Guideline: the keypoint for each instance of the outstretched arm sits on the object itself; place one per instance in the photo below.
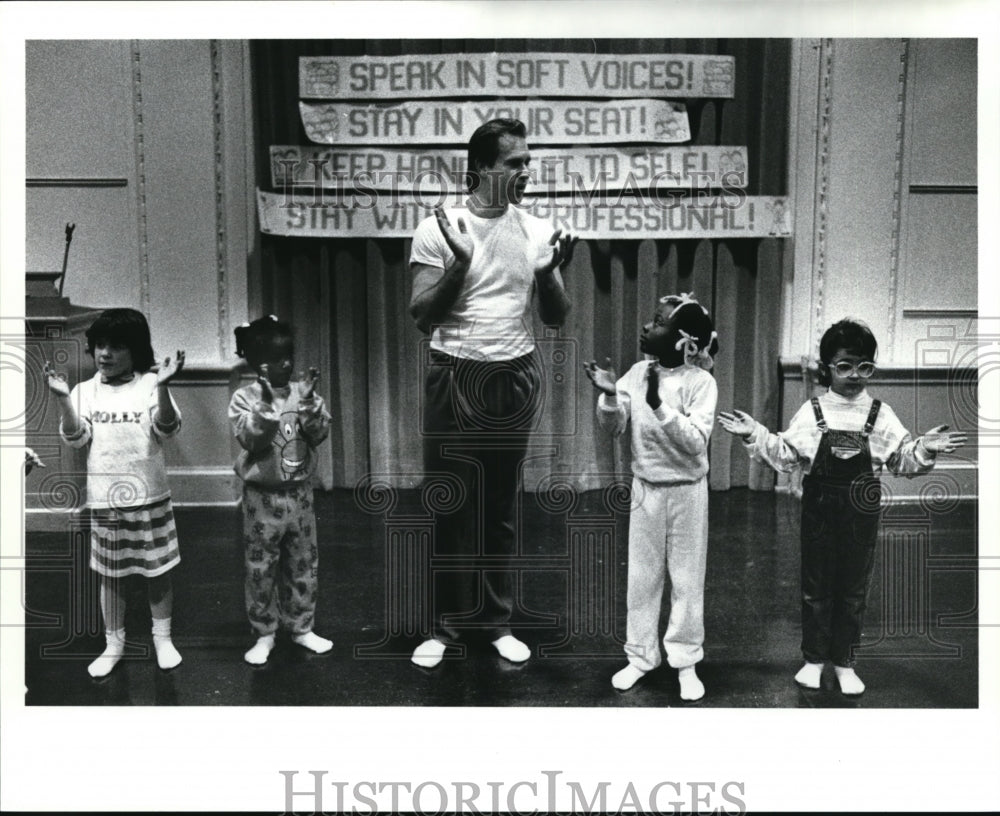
(612, 406)
(435, 290)
(783, 452)
(916, 456)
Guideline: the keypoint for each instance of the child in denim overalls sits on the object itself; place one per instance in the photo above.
(841, 440)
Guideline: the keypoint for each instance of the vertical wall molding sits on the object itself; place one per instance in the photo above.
(897, 193)
(218, 140)
(824, 122)
(140, 180)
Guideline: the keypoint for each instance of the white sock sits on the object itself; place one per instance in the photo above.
(512, 649)
(691, 687)
(313, 642)
(809, 675)
(115, 640)
(428, 654)
(258, 654)
(627, 677)
(850, 683)
(167, 657)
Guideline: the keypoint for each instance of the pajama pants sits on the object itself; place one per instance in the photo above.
(279, 533)
(668, 531)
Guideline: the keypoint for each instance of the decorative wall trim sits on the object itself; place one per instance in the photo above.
(204, 486)
(824, 119)
(791, 369)
(897, 191)
(76, 182)
(140, 177)
(211, 374)
(943, 189)
(965, 313)
(218, 140)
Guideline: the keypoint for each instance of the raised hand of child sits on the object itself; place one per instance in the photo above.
(604, 379)
(937, 441)
(653, 386)
(266, 407)
(56, 382)
(170, 368)
(737, 423)
(308, 383)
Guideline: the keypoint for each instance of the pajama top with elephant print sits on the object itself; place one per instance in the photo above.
(277, 453)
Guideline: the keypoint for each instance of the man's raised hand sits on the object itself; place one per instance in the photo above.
(559, 252)
(459, 242)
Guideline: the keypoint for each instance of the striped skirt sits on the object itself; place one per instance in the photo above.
(142, 541)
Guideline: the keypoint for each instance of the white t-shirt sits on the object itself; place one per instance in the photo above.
(490, 319)
(125, 465)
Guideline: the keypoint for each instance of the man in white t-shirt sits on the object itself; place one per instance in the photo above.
(476, 270)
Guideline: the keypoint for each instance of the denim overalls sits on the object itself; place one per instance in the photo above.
(841, 506)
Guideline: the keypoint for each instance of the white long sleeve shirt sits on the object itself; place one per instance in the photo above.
(890, 443)
(670, 445)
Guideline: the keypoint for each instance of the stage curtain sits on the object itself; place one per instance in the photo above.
(347, 298)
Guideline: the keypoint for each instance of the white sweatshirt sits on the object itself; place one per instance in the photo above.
(670, 445)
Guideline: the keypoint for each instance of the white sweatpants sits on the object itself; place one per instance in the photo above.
(668, 530)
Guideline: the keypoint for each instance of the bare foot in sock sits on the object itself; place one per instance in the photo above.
(691, 687)
(512, 649)
(167, 657)
(850, 683)
(809, 675)
(313, 642)
(110, 656)
(428, 654)
(258, 654)
(627, 677)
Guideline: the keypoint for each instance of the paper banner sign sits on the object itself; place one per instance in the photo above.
(432, 171)
(373, 216)
(547, 122)
(468, 75)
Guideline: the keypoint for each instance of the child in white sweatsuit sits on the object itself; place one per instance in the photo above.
(669, 402)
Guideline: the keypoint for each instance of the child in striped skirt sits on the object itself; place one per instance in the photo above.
(122, 415)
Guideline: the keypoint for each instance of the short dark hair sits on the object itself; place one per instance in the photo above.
(127, 328)
(484, 146)
(252, 337)
(850, 335)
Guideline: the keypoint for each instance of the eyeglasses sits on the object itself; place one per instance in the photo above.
(863, 369)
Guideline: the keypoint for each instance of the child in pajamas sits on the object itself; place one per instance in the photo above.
(279, 423)
(841, 440)
(670, 404)
(122, 415)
